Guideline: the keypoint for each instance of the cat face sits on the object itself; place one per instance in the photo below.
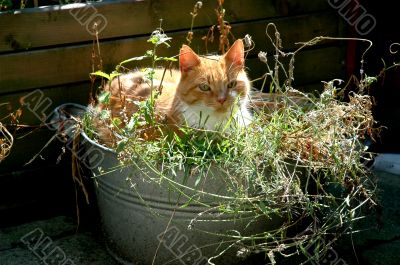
(214, 84)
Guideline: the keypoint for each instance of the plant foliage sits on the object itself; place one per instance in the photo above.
(302, 161)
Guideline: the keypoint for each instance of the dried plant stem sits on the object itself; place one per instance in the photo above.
(6, 142)
(194, 13)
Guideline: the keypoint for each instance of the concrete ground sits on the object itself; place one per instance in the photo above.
(61, 244)
(20, 245)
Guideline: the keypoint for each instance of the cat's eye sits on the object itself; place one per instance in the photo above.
(231, 84)
(204, 87)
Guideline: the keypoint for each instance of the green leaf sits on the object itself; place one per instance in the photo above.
(158, 38)
(149, 53)
(164, 41)
(197, 180)
(148, 117)
(139, 58)
(104, 97)
(114, 74)
(263, 208)
(149, 73)
(153, 39)
(102, 74)
(104, 114)
(370, 79)
(347, 200)
(177, 139)
(116, 121)
(170, 59)
(131, 124)
(121, 145)
(186, 203)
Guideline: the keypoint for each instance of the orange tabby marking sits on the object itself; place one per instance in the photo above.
(205, 93)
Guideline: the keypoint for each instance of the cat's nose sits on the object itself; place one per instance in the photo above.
(221, 100)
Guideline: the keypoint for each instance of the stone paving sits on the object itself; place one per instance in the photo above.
(372, 247)
(17, 244)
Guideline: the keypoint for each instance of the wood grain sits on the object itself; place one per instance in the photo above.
(57, 66)
(60, 25)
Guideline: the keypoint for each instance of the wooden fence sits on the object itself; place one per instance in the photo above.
(48, 51)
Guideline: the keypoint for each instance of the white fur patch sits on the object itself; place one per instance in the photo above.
(200, 116)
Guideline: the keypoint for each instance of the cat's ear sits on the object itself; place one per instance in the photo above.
(187, 59)
(235, 55)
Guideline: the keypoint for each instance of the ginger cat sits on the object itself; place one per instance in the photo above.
(205, 92)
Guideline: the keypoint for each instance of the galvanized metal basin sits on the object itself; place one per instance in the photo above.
(145, 221)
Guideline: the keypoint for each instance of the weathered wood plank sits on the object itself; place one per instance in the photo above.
(292, 30)
(55, 25)
(42, 102)
(26, 146)
(51, 67)
(61, 65)
(319, 65)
